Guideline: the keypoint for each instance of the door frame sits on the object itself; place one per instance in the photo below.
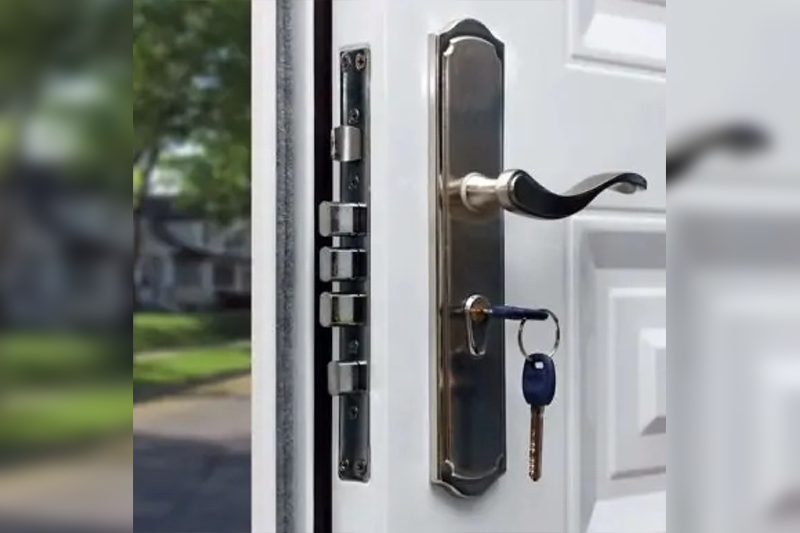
(291, 115)
(264, 436)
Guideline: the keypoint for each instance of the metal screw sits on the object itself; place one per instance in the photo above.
(352, 346)
(353, 412)
(361, 61)
(346, 61)
(353, 116)
(361, 467)
(344, 465)
(353, 185)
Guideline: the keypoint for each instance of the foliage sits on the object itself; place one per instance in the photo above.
(40, 38)
(65, 69)
(191, 87)
(65, 74)
(138, 185)
(217, 179)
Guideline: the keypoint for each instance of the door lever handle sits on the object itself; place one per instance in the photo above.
(737, 138)
(518, 192)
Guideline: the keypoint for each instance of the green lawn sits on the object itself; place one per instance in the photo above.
(60, 389)
(31, 422)
(39, 359)
(163, 331)
(191, 365)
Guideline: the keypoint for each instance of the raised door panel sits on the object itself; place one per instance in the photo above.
(617, 409)
(738, 296)
(627, 33)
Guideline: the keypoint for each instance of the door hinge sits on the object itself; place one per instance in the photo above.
(345, 265)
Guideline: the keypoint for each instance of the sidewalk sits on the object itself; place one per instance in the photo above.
(92, 492)
(192, 461)
(186, 469)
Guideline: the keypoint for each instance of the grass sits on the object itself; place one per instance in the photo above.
(84, 396)
(49, 359)
(191, 366)
(30, 422)
(163, 331)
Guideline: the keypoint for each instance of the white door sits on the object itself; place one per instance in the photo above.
(734, 267)
(585, 92)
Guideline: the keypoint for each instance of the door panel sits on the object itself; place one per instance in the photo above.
(739, 292)
(735, 263)
(627, 33)
(577, 103)
(617, 401)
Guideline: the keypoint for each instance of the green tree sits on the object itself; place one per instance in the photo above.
(191, 87)
(47, 51)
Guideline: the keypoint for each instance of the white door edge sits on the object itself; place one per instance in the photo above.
(283, 266)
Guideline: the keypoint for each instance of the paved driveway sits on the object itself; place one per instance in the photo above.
(192, 464)
(191, 474)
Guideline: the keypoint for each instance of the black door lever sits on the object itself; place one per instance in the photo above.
(518, 192)
(736, 138)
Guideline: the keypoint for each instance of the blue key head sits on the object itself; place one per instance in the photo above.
(539, 380)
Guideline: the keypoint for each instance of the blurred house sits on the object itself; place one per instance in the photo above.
(188, 262)
(62, 250)
(66, 254)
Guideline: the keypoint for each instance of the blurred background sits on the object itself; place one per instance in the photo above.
(83, 445)
(734, 267)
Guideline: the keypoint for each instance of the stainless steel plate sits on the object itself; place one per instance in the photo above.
(467, 77)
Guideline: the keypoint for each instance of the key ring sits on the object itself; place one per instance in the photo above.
(556, 344)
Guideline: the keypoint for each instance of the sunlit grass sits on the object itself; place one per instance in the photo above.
(64, 389)
(192, 365)
(163, 331)
(33, 421)
(36, 359)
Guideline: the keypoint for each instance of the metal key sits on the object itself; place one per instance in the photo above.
(539, 390)
(477, 309)
(510, 312)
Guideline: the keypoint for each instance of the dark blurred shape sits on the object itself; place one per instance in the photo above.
(180, 246)
(737, 138)
(66, 251)
(787, 508)
(228, 300)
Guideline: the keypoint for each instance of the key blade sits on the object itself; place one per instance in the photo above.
(535, 450)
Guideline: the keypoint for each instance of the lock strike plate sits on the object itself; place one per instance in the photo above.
(345, 265)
